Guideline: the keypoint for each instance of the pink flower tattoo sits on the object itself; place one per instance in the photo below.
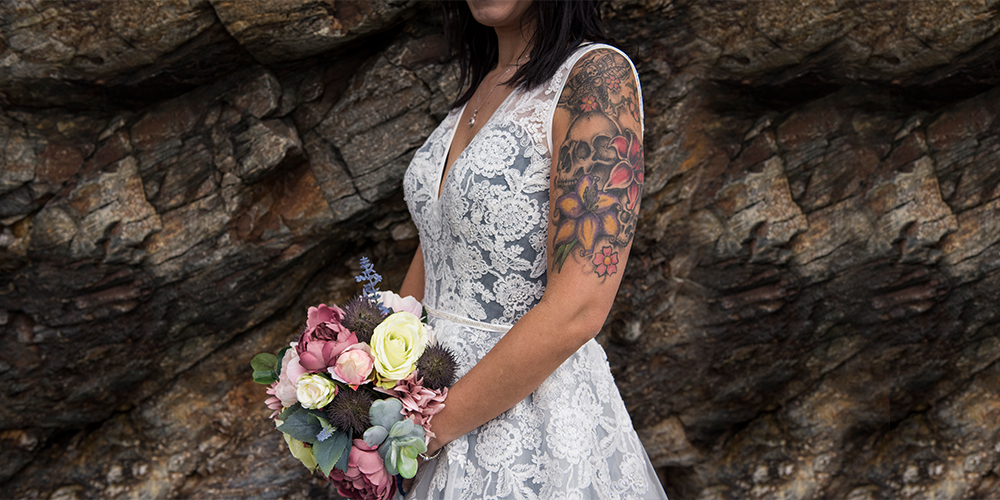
(629, 173)
(588, 103)
(613, 82)
(606, 262)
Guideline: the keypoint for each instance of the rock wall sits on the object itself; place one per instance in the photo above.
(808, 313)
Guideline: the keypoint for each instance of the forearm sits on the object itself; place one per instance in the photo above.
(538, 343)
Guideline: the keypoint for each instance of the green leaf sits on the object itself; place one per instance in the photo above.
(385, 412)
(329, 451)
(281, 355)
(562, 253)
(408, 463)
(265, 377)
(391, 458)
(375, 435)
(263, 362)
(290, 410)
(342, 462)
(301, 426)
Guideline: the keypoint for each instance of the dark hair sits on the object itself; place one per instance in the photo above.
(560, 26)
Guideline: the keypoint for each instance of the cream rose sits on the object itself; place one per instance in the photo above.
(397, 344)
(315, 391)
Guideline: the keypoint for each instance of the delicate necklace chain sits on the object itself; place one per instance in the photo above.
(472, 121)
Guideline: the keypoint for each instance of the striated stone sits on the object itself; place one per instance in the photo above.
(263, 147)
(259, 94)
(115, 211)
(808, 309)
(69, 48)
(909, 213)
(53, 227)
(331, 175)
(284, 30)
(667, 445)
(378, 94)
(761, 213)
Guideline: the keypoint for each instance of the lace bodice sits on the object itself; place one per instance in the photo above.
(484, 239)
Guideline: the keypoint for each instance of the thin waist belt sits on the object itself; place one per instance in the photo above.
(466, 321)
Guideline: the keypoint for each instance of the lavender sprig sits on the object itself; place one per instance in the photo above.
(369, 291)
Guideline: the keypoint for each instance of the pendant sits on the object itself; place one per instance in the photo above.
(472, 121)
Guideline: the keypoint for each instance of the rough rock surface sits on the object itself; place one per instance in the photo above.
(809, 312)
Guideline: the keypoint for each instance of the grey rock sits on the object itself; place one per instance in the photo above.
(808, 310)
(284, 30)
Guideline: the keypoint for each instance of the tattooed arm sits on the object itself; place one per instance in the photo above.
(594, 198)
(597, 171)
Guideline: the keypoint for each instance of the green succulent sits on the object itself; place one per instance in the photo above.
(399, 440)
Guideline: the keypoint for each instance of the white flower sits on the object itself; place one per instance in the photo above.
(315, 391)
(399, 304)
(397, 344)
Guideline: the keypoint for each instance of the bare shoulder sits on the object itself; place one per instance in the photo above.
(598, 165)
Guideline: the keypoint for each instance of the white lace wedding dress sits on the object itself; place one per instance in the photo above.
(484, 249)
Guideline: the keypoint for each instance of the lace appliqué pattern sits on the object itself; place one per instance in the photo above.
(484, 248)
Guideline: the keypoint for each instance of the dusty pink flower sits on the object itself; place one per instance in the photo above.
(420, 404)
(397, 303)
(366, 477)
(283, 391)
(354, 365)
(323, 314)
(324, 338)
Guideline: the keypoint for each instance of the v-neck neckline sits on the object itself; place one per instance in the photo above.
(444, 170)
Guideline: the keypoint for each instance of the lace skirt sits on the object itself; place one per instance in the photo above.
(570, 439)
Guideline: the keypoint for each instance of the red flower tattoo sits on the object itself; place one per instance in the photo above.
(588, 103)
(629, 173)
(606, 262)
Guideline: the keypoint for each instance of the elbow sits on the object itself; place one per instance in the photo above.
(579, 324)
(590, 325)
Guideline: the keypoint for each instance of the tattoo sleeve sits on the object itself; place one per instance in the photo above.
(599, 171)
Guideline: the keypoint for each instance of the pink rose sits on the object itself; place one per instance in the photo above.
(398, 304)
(366, 477)
(324, 338)
(354, 365)
(283, 391)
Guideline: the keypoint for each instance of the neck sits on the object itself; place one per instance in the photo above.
(513, 43)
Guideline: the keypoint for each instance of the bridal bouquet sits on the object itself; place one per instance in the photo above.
(355, 394)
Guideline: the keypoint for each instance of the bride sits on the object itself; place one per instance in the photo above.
(526, 198)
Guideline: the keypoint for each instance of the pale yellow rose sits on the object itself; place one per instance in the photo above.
(397, 344)
(315, 391)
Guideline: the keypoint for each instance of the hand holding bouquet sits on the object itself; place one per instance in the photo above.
(354, 396)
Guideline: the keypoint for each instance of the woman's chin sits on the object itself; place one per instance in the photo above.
(498, 13)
